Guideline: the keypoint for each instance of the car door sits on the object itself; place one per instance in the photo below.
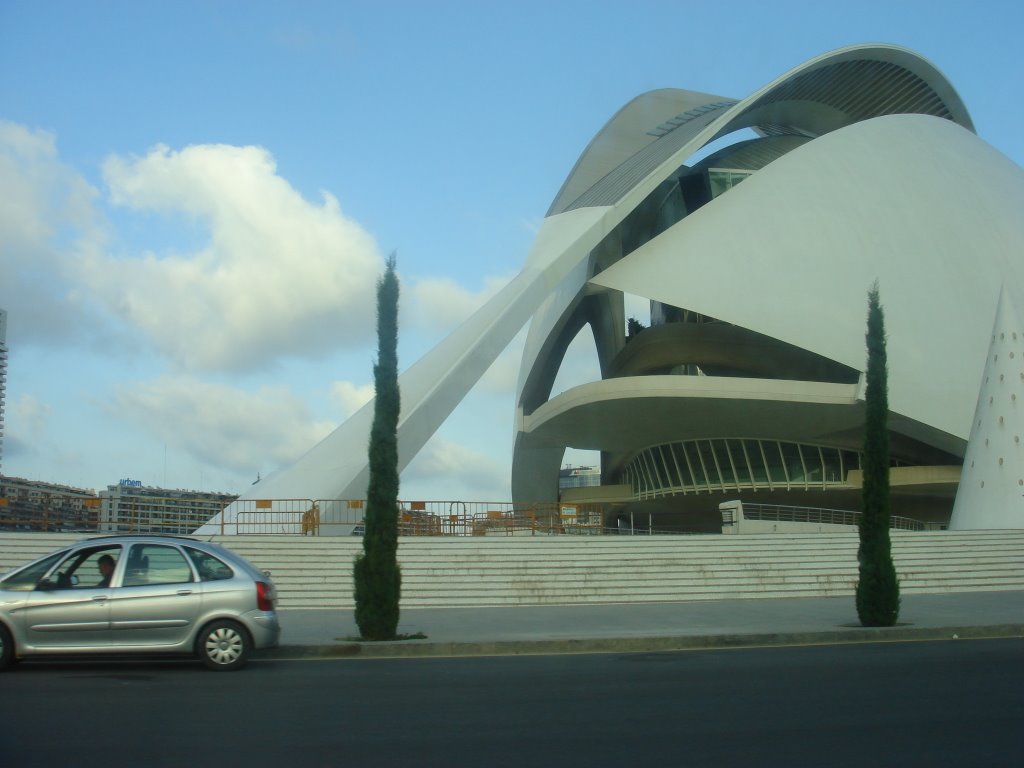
(70, 610)
(158, 600)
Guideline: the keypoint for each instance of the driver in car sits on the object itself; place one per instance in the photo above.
(106, 566)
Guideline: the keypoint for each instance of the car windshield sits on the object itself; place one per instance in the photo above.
(26, 579)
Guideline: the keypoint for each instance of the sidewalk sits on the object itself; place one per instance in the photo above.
(650, 626)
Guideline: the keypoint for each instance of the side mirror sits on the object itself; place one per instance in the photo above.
(45, 585)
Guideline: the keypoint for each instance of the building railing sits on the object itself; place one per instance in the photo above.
(790, 514)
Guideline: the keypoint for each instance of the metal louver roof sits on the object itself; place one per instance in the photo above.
(828, 96)
(861, 89)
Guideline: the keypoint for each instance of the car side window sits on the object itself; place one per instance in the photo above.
(86, 568)
(155, 564)
(90, 568)
(210, 568)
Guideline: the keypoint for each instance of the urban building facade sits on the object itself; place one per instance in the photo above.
(33, 505)
(578, 477)
(127, 507)
(130, 507)
(3, 379)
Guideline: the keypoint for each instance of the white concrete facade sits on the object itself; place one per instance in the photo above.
(864, 167)
(991, 493)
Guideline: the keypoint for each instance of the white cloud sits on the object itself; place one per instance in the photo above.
(30, 414)
(441, 304)
(349, 397)
(446, 470)
(222, 427)
(274, 276)
(47, 219)
(279, 276)
(27, 421)
(265, 275)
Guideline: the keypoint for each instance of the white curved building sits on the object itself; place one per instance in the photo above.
(857, 166)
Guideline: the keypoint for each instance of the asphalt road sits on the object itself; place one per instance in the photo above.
(952, 703)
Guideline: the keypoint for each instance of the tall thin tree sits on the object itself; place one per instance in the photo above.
(378, 579)
(878, 590)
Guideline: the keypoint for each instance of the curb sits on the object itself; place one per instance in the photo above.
(427, 649)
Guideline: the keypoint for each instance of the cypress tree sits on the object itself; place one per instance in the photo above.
(378, 580)
(878, 590)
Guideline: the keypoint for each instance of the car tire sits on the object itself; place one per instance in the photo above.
(224, 646)
(6, 648)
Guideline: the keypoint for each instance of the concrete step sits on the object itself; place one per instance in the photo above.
(479, 571)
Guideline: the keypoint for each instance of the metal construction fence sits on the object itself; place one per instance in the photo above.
(312, 517)
(345, 517)
(416, 518)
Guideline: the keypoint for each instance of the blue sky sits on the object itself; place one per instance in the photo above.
(196, 199)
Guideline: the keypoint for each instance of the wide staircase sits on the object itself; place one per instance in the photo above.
(316, 572)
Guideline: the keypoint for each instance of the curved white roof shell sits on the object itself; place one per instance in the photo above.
(917, 203)
(869, 169)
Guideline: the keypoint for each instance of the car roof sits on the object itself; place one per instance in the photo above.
(146, 536)
(166, 538)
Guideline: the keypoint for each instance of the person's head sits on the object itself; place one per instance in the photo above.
(106, 565)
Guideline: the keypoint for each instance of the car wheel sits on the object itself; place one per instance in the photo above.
(224, 646)
(6, 647)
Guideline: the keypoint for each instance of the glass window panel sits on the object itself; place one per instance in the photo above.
(156, 564)
(719, 182)
(655, 466)
(630, 477)
(652, 472)
(699, 478)
(707, 454)
(664, 471)
(833, 473)
(724, 464)
(794, 465)
(739, 461)
(693, 470)
(638, 475)
(851, 461)
(645, 461)
(722, 180)
(210, 568)
(685, 478)
(83, 569)
(758, 471)
(773, 455)
(812, 462)
(707, 462)
(671, 476)
(26, 579)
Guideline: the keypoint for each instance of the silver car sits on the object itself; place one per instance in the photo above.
(138, 595)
